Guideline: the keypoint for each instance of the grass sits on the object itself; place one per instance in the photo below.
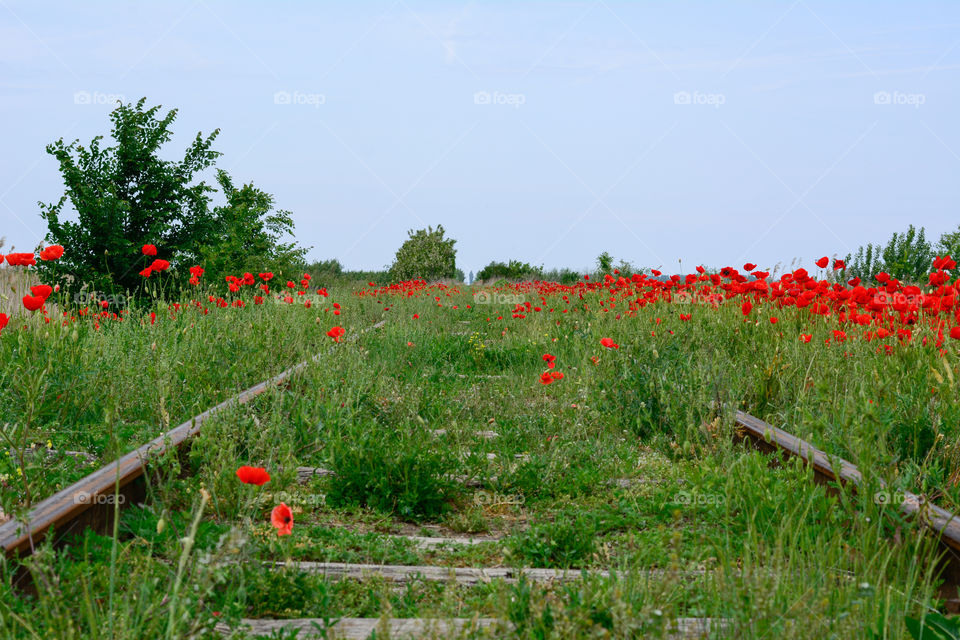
(729, 537)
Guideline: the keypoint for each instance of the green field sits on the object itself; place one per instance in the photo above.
(626, 464)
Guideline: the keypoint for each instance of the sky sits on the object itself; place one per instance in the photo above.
(668, 134)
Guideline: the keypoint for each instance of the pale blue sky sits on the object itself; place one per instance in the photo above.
(543, 131)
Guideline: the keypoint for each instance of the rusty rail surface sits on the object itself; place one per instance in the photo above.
(88, 502)
(834, 470)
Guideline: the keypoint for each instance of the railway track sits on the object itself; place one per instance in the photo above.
(835, 471)
(84, 504)
(77, 507)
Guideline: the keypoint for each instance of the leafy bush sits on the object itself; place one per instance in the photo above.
(425, 254)
(949, 244)
(564, 543)
(604, 262)
(330, 272)
(907, 257)
(249, 234)
(563, 276)
(325, 270)
(391, 474)
(127, 195)
(513, 270)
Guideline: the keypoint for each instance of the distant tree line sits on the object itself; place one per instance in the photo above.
(907, 256)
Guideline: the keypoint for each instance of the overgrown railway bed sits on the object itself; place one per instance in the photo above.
(89, 504)
(452, 475)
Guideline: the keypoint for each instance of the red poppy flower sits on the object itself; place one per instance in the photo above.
(146, 272)
(609, 343)
(149, 250)
(282, 519)
(746, 308)
(550, 360)
(823, 262)
(336, 333)
(416, 316)
(839, 264)
(53, 252)
(41, 290)
(749, 266)
(32, 303)
(955, 333)
(944, 263)
(21, 259)
(773, 320)
(546, 378)
(160, 265)
(253, 475)
(4, 319)
(805, 337)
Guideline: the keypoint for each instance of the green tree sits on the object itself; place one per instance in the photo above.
(425, 254)
(248, 234)
(908, 256)
(949, 244)
(604, 262)
(126, 196)
(513, 270)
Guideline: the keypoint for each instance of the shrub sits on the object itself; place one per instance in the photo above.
(249, 234)
(564, 543)
(907, 257)
(563, 276)
(391, 474)
(126, 196)
(604, 262)
(513, 270)
(425, 254)
(949, 244)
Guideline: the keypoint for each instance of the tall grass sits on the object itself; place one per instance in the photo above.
(764, 548)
